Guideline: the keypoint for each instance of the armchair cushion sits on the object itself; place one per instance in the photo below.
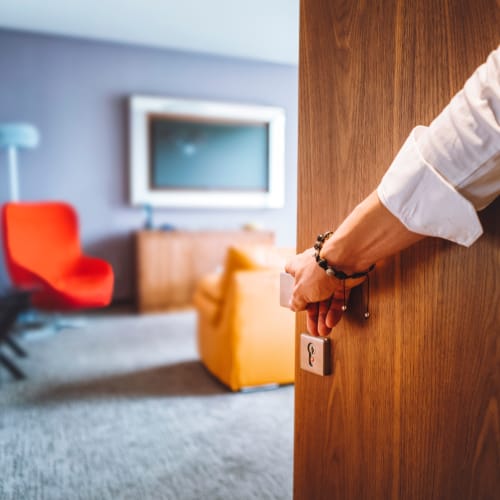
(238, 259)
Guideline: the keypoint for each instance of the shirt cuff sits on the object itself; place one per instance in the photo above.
(424, 201)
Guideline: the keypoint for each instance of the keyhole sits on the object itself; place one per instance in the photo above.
(310, 350)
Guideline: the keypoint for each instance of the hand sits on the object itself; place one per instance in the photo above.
(312, 284)
(370, 233)
(323, 316)
(322, 296)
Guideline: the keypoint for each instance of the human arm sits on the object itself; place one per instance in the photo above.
(440, 177)
(446, 172)
(369, 234)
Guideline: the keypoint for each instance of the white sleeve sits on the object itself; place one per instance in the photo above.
(447, 171)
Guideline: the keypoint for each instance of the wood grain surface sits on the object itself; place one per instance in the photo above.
(412, 410)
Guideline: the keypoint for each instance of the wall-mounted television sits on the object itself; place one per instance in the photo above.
(192, 153)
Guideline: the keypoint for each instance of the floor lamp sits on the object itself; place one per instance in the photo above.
(14, 136)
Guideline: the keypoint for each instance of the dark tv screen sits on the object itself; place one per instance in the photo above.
(208, 155)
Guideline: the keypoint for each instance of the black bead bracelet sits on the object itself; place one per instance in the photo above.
(341, 275)
(330, 270)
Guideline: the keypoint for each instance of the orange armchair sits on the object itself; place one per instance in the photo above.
(245, 338)
(43, 255)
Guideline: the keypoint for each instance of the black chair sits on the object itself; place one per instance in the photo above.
(12, 303)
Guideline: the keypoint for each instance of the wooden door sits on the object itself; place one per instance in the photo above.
(412, 409)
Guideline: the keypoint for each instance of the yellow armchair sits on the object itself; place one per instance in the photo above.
(245, 338)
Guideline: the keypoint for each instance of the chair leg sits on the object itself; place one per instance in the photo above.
(11, 367)
(15, 347)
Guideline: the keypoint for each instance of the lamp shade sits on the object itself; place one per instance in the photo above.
(18, 135)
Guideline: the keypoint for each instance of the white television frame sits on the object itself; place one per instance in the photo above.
(141, 191)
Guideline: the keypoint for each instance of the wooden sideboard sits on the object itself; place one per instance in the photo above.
(169, 263)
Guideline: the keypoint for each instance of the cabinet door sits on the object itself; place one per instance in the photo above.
(411, 410)
(164, 271)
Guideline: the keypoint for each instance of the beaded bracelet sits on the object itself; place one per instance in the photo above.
(341, 275)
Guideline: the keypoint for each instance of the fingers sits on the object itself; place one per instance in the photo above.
(319, 321)
(334, 313)
(294, 263)
(297, 303)
(312, 318)
(290, 268)
(323, 316)
(323, 309)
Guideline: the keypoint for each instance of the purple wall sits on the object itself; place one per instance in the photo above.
(75, 92)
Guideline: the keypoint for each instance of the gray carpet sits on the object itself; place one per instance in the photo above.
(122, 409)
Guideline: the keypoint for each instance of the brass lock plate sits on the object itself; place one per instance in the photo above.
(315, 354)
